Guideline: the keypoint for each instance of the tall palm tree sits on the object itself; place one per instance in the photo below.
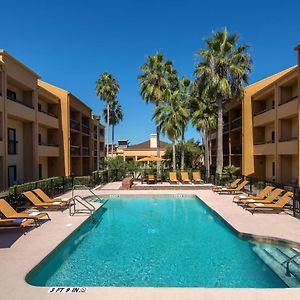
(225, 67)
(157, 74)
(115, 117)
(204, 118)
(170, 116)
(185, 96)
(107, 89)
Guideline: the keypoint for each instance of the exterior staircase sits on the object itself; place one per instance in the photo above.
(276, 257)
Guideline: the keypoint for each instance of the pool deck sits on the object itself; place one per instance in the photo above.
(20, 253)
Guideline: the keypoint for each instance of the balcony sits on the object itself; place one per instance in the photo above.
(48, 120)
(85, 151)
(75, 125)
(288, 108)
(264, 117)
(20, 102)
(48, 150)
(85, 129)
(264, 148)
(236, 123)
(288, 146)
(236, 149)
(75, 150)
(20, 110)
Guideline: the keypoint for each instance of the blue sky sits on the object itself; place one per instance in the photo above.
(70, 43)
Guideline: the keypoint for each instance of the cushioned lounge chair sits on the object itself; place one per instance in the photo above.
(19, 222)
(151, 179)
(260, 196)
(9, 212)
(40, 204)
(269, 199)
(238, 189)
(173, 177)
(185, 177)
(278, 205)
(197, 177)
(232, 185)
(44, 197)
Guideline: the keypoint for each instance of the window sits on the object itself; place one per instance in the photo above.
(273, 168)
(11, 95)
(40, 172)
(273, 136)
(12, 142)
(40, 139)
(12, 175)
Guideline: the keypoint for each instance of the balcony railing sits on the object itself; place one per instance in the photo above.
(95, 135)
(85, 151)
(47, 144)
(85, 128)
(226, 127)
(287, 139)
(47, 113)
(236, 123)
(75, 150)
(21, 102)
(263, 111)
(75, 125)
(287, 100)
(264, 142)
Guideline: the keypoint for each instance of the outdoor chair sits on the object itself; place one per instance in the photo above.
(260, 196)
(197, 177)
(173, 177)
(232, 185)
(45, 198)
(278, 205)
(185, 177)
(238, 189)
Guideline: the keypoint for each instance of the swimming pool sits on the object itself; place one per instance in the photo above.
(155, 242)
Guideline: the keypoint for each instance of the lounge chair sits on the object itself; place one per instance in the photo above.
(238, 189)
(268, 199)
(173, 177)
(278, 205)
(40, 204)
(9, 213)
(18, 222)
(197, 177)
(232, 185)
(260, 196)
(151, 179)
(185, 177)
(45, 198)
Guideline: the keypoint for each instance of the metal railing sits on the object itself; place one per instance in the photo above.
(287, 262)
(263, 111)
(236, 123)
(75, 150)
(85, 129)
(85, 151)
(47, 113)
(283, 101)
(74, 125)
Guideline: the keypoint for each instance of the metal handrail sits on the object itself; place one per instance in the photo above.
(288, 261)
(89, 206)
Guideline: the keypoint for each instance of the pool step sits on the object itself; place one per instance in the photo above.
(275, 257)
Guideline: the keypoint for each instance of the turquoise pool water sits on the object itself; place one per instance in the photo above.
(154, 242)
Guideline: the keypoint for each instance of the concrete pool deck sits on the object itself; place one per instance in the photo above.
(20, 253)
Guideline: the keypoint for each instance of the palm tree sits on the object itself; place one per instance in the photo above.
(157, 75)
(115, 117)
(170, 116)
(204, 118)
(225, 66)
(184, 87)
(107, 89)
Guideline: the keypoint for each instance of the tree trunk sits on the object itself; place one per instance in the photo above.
(205, 133)
(210, 159)
(158, 144)
(220, 138)
(107, 150)
(174, 155)
(182, 149)
(112, 139)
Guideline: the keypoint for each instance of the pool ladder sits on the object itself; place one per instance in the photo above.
(288, 261)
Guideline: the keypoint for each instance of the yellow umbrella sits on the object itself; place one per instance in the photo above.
(151, 158)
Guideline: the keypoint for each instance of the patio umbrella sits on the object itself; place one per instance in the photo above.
(151, 158)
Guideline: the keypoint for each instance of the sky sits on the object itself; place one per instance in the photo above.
(70, 43)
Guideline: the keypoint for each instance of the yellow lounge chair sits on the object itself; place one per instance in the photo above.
(9, 212)
(197, 177)
(236, 190)
(40, 204)
(44, 197)
(173, 177)
(260, 196)
(268, 199)
(278, 205)
(232, 185)
(22, 223)
(151, 179)
(185, 177)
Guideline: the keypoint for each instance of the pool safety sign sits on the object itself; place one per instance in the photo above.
(67, 290)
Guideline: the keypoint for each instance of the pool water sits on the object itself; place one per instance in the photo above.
(155, 242)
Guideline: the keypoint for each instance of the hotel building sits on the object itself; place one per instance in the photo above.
(44, 131)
